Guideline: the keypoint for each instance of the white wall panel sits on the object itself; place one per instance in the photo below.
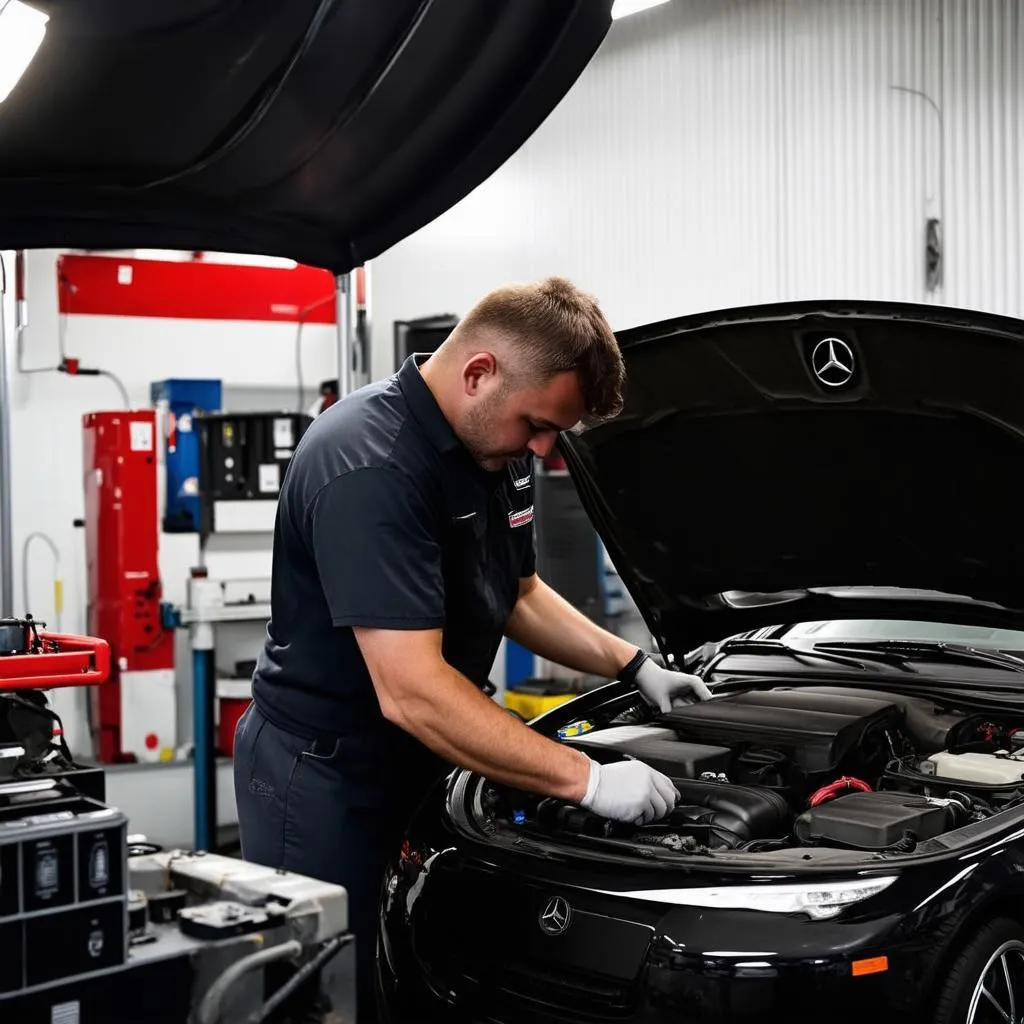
(983, 110)
(654, 184)
(855, 150)
(720, 152)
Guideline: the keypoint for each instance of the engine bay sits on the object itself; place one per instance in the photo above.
(791, 767)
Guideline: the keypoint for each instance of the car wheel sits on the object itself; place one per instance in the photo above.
(986, 980)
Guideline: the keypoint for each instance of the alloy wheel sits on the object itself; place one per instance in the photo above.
(998, 997)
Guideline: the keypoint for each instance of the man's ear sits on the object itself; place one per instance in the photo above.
(477, 370)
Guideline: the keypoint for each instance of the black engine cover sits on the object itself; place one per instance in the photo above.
(660, 748)
(871, 821)
(816, 731)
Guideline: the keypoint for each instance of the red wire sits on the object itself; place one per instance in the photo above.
(833, 789)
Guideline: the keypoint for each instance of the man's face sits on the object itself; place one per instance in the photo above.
(504, 421)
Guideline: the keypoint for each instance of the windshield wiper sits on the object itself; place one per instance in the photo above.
(747, 646)
(924, 650)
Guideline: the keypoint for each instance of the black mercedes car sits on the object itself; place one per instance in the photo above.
(819, 509)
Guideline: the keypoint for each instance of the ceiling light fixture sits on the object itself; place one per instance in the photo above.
(21, 33)
(621, 8)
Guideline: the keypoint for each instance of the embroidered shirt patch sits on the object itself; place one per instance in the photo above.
(520, 518)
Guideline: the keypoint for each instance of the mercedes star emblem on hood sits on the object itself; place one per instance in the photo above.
(832, 362)
(555, 917)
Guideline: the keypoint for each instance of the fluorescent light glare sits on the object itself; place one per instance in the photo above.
(621, 8)
(242, 259)
(21, 33)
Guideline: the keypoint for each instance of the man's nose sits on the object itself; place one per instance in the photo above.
(542, 444)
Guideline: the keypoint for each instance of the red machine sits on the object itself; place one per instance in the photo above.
(32, 659)
(134, 717)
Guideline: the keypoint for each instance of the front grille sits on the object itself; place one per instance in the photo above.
(476, 934)
(567, 995)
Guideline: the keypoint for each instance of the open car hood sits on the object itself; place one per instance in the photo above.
(321, 130)
(809, 461)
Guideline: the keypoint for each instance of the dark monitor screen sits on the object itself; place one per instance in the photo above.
(422, 335)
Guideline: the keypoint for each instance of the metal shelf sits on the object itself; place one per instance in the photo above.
(213, 614)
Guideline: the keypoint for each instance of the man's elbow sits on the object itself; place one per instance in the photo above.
(405, 706)
(392, 708)
(399, 665)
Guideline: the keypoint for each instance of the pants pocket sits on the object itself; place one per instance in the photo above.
(247, 736)
(261, 771)
(324, 751)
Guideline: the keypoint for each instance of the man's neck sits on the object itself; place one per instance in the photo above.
(432, 372)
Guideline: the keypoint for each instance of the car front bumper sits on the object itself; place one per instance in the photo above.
(692, 990)
(639, 964)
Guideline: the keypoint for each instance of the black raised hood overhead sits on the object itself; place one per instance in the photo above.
(810, 461)
(321, 130)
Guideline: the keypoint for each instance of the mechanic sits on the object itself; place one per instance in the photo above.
(403, 551)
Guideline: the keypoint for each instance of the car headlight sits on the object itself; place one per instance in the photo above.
(818, 900)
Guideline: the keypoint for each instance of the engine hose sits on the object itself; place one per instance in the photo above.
(970, 804)
(331, 949)
(210, 1008)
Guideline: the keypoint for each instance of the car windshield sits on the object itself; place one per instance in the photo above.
(908, 630)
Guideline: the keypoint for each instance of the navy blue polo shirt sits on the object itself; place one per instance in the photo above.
(384, 520)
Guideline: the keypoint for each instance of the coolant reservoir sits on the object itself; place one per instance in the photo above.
(999, 769)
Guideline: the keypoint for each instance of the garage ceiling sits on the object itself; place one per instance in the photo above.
(321, 130)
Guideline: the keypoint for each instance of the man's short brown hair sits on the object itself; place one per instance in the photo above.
(556, 328)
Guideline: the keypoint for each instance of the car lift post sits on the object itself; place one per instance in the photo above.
(344, 302)
(6, 535)
(204, 755)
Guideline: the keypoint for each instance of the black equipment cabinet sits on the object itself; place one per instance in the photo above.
(243, 458)
(63, 885)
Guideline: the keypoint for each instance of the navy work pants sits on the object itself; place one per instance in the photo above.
(331, 809)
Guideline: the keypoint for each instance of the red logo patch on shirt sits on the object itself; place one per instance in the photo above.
(520, 518)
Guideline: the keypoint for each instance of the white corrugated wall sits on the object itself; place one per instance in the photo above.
(982, 45)
(720, 152)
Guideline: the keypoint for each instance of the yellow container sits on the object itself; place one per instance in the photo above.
(530, 705)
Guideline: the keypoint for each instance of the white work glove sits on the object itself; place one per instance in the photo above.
(629, 791)
(661, 687)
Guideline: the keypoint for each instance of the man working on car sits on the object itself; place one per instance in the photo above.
(403, 551)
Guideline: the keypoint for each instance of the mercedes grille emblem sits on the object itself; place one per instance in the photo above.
(555, 917)
(832, 362)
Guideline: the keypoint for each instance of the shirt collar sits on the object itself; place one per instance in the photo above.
(423, 405)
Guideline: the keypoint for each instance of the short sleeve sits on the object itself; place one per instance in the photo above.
(377, 553)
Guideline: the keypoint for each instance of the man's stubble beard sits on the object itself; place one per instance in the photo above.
(477, 433)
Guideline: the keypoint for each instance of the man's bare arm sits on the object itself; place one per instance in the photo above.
(421, 693)
(545, 623)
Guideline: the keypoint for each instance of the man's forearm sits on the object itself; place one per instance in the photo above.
(453, 718)
(545, 623)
